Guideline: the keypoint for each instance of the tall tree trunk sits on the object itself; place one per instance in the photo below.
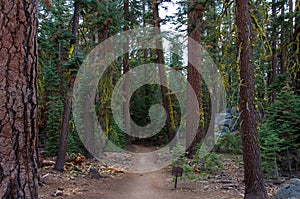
(212, 105)
(126, 104)
(59, 165)
(144, 31)
(255, 187)
(297, 47)
(18, 99)
(212, 110)
(283, 49)
(273, 73)
(89, 126)
(166, 98)
(105, 25)
(195, 131)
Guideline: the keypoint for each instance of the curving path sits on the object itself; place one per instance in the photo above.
(154, 185)
(139, 185)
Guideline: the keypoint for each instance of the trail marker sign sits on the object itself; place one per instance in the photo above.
(177, 171)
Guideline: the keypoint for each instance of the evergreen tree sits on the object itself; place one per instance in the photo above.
(59, 166)
(280, 133)
(195, 130)
(18, 120)
(254, 183)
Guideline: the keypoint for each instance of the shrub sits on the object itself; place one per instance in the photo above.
(280, 133)
(230, 143)
(207, 161)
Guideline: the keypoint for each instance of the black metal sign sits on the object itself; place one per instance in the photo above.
(177, 171)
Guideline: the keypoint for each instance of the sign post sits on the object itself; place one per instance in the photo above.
(177, 171)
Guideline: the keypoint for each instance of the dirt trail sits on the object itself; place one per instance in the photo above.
(143, 185)
(151, 185)
(140, 185)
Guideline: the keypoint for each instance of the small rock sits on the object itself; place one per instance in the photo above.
(227, 122)
(225, 128)
(289, 190)
(57, 193)
(94, 174)
(295, 181)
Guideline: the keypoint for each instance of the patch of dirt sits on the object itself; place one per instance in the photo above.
(227, 184)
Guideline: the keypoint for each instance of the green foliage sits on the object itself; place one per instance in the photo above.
(230, 143)
(74, 63)
(280, 133)
(53, 38)
(74, 144)
(212, 163)
(188, 172)
(207, 161)
(53, 127)
(116, 136)
(279, 82)
(101, 19)
(270, 146)
(178, 159)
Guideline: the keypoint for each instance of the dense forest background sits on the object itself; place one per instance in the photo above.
(255, 46)
(69, 30)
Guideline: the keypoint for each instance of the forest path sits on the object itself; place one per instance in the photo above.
(143, 185)
(149, 185)
(140, 185)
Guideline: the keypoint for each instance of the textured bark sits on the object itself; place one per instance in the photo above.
(105, 25)
(273, 72)
(144, 26)
(195, 131)
(297, 46)
(283, 49)
(125, 70)
(18, 99)
(93, 146)
(161, 71)
(255, 187)
(211, 112)
(59, 165)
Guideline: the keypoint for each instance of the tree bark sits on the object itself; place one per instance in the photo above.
(254, 182)
(274, 62)
(18, 99)
(283, 49)
(195, 131)
(59, 165)
(126, 104)
(170, 124)
(297, 47)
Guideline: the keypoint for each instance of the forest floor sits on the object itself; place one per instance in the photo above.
(119, 184)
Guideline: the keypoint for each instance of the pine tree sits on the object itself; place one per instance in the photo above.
(280, 133)
(254, 183)
(59, 166)
(195, 130)
(18, 120)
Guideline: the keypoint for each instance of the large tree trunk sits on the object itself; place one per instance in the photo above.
(126, 104)
(283, 38)
(166, 98)
(273, 72)
(255, 187)
(195, 131)
(59, 165)
(18, 99)
(297, 47)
